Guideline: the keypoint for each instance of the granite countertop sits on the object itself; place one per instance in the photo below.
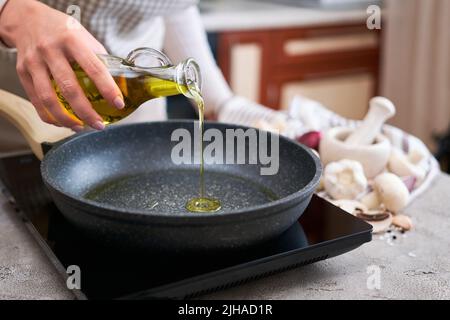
(241, 15)
(415, 267)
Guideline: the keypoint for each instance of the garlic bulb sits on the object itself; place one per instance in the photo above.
(344, 179)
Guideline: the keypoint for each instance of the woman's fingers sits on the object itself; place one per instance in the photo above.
(70, 89)
(45, 47)
(98, 73)
(27, 83)
(47, 97)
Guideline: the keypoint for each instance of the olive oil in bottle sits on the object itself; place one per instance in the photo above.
(136, 88)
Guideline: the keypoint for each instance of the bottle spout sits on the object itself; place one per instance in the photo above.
(188, 78)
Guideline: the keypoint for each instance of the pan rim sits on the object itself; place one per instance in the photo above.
(105, 210)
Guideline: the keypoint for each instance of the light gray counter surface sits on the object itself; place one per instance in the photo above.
(416, 266)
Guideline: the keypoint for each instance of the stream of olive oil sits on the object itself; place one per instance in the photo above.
(137, 89)
(202, 203)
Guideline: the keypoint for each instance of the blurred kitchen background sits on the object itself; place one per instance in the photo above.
(270, 51)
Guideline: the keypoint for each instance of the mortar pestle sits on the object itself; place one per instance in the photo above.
(365, 143)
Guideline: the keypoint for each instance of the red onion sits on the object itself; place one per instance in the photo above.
(311, 139)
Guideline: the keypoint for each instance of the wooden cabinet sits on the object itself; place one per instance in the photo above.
(334, 64)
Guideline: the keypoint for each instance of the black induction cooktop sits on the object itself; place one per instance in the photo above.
(323, 231)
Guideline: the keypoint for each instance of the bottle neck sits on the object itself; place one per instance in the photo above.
(186, 75)
(188, 78)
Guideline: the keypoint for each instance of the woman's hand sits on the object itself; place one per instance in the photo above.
(47, 41)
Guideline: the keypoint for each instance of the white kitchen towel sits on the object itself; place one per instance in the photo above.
(306, 115)
(315, 116)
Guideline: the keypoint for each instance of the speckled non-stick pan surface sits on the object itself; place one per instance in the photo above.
(121, 185)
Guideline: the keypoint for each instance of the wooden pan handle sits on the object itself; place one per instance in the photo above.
(22, 114)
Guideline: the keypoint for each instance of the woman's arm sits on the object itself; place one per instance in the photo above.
(186, 37)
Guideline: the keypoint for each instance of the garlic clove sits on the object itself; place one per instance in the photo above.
(400, 165)
(371, 200)
(392, 191)
(403, 222)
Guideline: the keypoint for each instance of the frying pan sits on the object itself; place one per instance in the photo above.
(121, 186)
